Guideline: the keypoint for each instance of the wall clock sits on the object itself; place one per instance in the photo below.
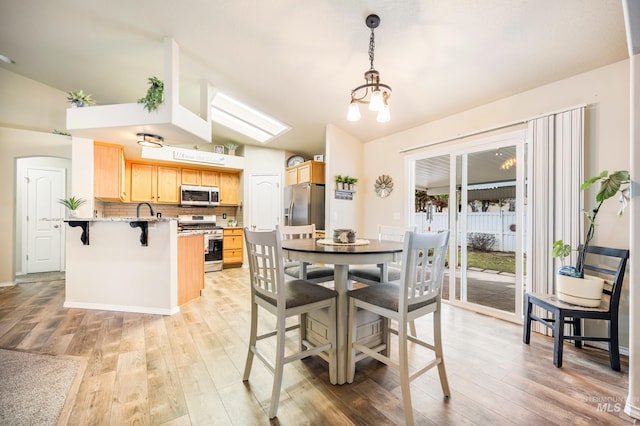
(383, 186)
(294, 160)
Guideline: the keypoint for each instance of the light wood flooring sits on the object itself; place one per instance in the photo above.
(186, 368)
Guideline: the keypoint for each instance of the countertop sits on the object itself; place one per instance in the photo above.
(149, 219)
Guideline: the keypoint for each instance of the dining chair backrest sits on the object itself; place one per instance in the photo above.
(612, 271)
(423, 260)
(266, 266)
(289, 232)
(393, 233)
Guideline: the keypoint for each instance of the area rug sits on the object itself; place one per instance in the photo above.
(34, 387)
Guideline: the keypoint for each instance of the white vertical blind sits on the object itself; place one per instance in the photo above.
(555, 201)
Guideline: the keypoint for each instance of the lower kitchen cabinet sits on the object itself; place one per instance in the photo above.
(232, 247)
(190, 267)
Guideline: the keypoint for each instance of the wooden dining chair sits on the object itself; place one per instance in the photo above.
(418, 294)
(283, 299)
(372, 275)
(607, 263)
(304, 270)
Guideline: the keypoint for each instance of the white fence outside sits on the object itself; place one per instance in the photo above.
(501, 224)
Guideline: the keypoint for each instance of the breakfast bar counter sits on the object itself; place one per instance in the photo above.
(115, 270)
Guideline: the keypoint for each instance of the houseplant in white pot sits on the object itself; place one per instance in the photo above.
(72, 204)
(572, 285)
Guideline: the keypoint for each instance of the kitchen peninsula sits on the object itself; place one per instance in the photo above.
(110, 268)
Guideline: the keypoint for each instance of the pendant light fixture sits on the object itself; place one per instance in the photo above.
(372, 92)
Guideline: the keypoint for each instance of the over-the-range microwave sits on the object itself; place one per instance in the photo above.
(191, 195)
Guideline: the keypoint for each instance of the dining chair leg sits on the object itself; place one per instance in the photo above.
(351, 336)
(437, 343)
(252, 341)
(279, 367)
(526, 330)
(614, 349)
(558, 340)
(412, 328)
(577, 331)
(333, 364)
(405, 384)
(302, 331)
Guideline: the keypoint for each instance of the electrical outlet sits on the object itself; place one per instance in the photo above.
(224, 215)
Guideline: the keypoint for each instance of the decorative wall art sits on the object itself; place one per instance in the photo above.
(383, 186)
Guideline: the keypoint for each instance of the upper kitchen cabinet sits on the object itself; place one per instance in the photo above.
(229, 189)
(307, 172)
(109, 172)
(155, 184)
(200, 177)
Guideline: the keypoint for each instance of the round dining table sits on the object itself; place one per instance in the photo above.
(364, 251)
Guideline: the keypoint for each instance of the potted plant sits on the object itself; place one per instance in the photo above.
(351, 182)
(231, 148)
(571, 281)
(72, 204)
(154, 94)
(79, 99)
(340, 182)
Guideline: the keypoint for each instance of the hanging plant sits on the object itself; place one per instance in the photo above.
(154, 94)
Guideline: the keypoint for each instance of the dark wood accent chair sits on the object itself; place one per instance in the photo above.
(565, 313)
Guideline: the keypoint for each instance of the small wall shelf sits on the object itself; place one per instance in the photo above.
(344, 194)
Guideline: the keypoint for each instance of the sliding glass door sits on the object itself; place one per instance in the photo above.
(477, 191)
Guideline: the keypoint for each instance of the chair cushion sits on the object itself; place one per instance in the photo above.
(301, 292)
(386, 296)
(372, 273)
(313, 271)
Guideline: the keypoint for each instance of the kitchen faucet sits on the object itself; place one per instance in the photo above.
(138, 209)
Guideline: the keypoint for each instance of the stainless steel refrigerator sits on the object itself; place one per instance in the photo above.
(304, 205)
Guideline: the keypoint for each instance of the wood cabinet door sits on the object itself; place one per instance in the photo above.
(190, 267)
(190, 177)
(168, 185)
(210, 178)
(108, 166)
(229, 188)
(291, 176)
(142, 182)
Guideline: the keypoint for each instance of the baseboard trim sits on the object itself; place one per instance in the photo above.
(8, 284)
(632, 411)
(122, 308)
(605, 346)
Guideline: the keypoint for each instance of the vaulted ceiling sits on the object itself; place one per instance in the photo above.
(298, 60)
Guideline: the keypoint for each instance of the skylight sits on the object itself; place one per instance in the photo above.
(244, 119)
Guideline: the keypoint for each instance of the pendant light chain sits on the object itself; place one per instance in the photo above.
(372, 47)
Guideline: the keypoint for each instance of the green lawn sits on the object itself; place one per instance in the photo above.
(496, 261)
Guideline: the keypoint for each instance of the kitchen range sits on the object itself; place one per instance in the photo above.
(205, 224)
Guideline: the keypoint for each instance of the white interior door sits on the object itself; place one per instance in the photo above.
(44, 187)
(265, 201)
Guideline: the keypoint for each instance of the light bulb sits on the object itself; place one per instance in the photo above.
(384, 115)
(377, 103)
(354, 112)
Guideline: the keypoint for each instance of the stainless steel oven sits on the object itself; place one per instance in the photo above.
(205, 224)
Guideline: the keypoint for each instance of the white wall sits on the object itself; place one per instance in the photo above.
(28, 104)
(344, 156)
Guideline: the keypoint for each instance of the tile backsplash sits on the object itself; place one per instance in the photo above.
(104, 209)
